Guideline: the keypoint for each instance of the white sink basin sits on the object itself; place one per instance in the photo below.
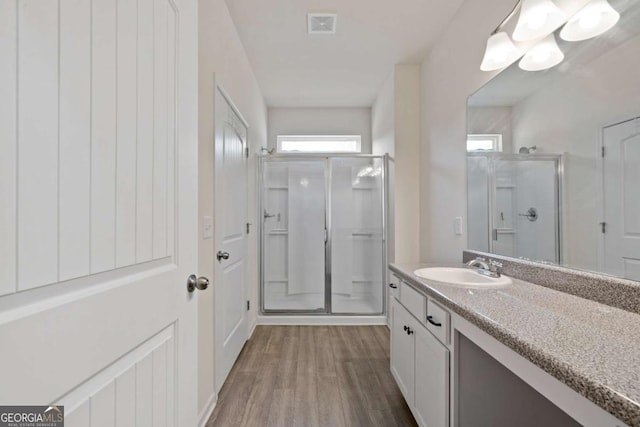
(462, 277)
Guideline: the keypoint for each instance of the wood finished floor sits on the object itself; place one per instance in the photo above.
(312, 376)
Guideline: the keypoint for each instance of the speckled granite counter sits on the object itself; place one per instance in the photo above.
(591, 347)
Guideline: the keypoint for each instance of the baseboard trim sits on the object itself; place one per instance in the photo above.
(252, 330)
(322, 320)
(208, 410)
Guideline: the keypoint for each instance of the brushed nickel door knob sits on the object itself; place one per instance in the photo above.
(194, 283)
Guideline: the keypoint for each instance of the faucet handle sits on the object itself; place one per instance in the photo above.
(495, 265)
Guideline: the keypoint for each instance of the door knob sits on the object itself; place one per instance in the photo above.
(222, 255)
(194, 283)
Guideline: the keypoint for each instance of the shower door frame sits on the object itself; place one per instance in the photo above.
(327, 311)
(558, 159)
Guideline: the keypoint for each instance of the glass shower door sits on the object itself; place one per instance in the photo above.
(356, 246)
(525, 212)
(293, 233)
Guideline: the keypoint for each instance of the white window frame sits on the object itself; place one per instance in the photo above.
(314, 141)
(495, 138)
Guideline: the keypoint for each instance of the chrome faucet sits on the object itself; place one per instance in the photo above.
(492, 268)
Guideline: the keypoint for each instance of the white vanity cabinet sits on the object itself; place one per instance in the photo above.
(403, 349)
(431, 400)
(452, 373)
(420, 366)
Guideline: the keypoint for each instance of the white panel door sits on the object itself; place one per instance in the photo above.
(98, 219)
(230, 201)
(621, 175)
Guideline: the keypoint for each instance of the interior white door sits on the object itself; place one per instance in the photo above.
(621, 175)
(98, 212)
(231, 329)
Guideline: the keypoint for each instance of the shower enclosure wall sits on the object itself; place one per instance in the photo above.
(323, 248)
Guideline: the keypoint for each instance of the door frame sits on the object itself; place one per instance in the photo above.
(264, 158)
(220, 91)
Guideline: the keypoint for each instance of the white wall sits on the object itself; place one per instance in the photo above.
(383, 119)
(396, 130)
(320, 121)
(407, 163)
(450, 73)
(223, 61)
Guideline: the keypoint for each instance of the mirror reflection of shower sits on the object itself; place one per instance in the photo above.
(514, 204)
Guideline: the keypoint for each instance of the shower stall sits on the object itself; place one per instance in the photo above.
(515, 204)
(322, 234)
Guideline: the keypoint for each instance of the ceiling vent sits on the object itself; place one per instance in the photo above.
(321, 23)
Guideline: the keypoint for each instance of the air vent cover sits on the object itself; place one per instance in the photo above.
(321, 23)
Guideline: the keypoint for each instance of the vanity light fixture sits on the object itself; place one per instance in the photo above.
(540, 19)
(543, 55)
(537, 19)
(596, 18)
(500, 52)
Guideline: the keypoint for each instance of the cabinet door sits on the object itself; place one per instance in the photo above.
(402, 350)
(431, 404)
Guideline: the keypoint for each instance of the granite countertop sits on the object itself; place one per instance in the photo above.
(591, 347)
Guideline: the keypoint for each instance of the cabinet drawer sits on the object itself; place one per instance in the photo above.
(414, 301)
(394, 285)
(438, 321)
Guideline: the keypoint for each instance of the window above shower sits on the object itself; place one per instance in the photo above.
(318, 144)
(484, 143)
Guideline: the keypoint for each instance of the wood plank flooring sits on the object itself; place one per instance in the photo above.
(313, 376)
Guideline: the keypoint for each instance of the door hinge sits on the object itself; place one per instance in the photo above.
(603, 151)
(246, 152)
(603, 227)
(248, 305)
(248, 227)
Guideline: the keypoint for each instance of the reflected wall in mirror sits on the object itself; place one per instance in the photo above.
(553, 162)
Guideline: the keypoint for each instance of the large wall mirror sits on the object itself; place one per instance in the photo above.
(553, 156)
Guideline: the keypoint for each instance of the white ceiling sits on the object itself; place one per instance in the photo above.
(295, 69)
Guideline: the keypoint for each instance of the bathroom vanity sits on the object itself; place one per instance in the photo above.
(521, 354)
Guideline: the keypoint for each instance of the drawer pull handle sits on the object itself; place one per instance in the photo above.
(434, 323)
(392, 286)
